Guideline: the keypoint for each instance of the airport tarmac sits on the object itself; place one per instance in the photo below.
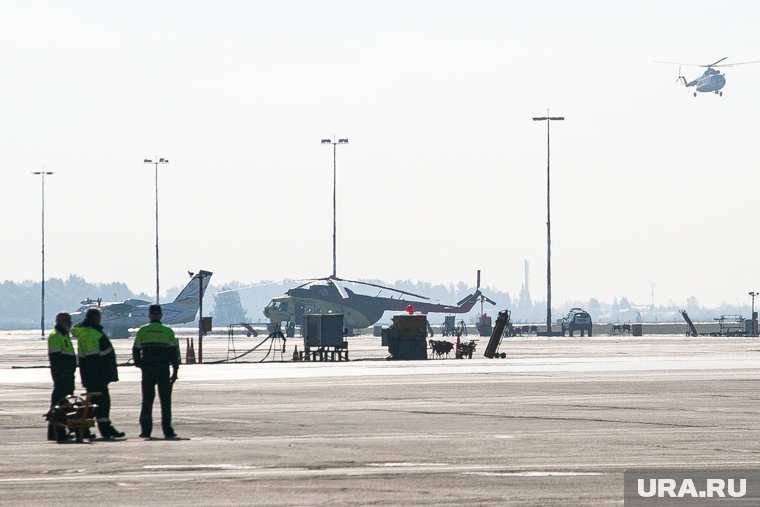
(555, 423)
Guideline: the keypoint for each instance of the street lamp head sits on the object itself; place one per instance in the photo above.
(147, 161)
(343, 141)
(326, 141)
(163, 161)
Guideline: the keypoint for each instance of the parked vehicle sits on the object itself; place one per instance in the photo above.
(577, 319)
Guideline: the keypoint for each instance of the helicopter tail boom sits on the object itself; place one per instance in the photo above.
(682, 78)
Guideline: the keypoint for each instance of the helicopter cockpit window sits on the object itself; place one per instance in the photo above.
(279, 306)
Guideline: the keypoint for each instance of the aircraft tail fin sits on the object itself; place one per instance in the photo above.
(192, 288)
(185, 306)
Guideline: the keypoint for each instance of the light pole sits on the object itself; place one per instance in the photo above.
(335, 149)
(548, 119)
(42, 175)
(155, 162)
(200, 276)
(754, 315)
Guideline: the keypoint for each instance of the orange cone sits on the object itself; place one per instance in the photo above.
(190, 352)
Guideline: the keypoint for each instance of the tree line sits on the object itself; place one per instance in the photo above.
(236, 302)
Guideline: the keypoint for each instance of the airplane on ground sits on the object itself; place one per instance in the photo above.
(118, 317)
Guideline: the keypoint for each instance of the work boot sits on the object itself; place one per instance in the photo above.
(51, 433)
(107, 430)
(116, 433)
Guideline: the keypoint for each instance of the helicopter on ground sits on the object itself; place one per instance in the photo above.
(327, 295)
(711, 80)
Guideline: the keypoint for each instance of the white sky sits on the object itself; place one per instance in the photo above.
(444, 173)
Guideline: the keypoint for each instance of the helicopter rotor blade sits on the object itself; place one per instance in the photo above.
(339, 288)
(737, 63)
(383, 287)
(254, 286)
(714, 63)
(309, 281)
(489, 300)
(475, 295)
(680, 63)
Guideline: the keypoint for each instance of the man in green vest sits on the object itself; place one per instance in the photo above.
(63, 365)
(97, 367)
(154, 350)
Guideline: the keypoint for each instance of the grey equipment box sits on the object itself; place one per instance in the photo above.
(323, 330)
(407, 337)
(411, 327)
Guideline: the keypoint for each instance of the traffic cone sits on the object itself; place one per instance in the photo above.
(295, 354)
(190, 352)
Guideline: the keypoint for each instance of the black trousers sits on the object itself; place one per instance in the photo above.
(103, 401)
(63, 385)
(152, 377)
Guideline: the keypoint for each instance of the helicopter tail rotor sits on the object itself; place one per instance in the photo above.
(681, 77)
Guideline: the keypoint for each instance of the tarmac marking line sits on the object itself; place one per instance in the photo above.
(542, 417)
(180, 475)
(532, 474)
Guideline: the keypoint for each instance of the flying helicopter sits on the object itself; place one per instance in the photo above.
(711, 80)
(328, 295)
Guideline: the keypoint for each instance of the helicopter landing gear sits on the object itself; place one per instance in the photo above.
(695, 94)
(720, 94)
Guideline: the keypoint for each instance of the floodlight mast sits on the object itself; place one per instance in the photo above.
(548, 119)
(42, 175)
(156, 161)
(335, 149)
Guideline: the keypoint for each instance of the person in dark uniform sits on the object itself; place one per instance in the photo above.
(63, 365)
(154, 350)
(97, 367)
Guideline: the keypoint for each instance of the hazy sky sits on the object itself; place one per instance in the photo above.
(444, 173)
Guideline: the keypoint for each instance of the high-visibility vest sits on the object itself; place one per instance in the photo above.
(155, 334)
(60, 343)
(88, 341)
